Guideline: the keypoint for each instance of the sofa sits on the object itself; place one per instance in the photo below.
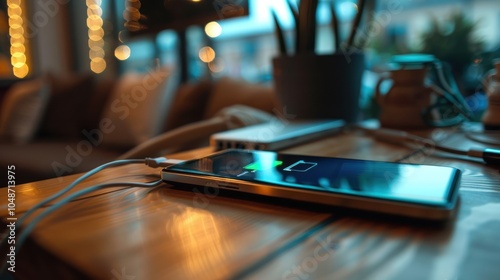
(54, 125)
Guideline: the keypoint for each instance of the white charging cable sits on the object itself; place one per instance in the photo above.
(25, 232)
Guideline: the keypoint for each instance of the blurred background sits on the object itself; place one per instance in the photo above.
(62, 36)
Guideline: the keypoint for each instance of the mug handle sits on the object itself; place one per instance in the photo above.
(487, 79)
(378, 94)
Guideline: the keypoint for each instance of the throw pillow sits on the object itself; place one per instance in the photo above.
(228, 91)
(137, 107)
(22, 110)
(102, 87)
(67, 107)
(189, 104)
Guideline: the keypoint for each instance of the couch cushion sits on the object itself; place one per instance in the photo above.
(67, 108)
(137, 107)
(189, 104)
(22, 110)
(102, 87)
(228, 91)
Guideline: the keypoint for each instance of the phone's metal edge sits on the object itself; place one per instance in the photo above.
(331, 199)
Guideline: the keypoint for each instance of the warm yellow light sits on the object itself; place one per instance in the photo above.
(21, 71)
(11, 3)
(94, 23)
(14, 10)
(216, 66)
(121, 36)
(97, 65)
(16, 35)
(95, 27)
(18, 65)
(95, 35)
(91, 11)
(213, 29)
(90, 2)
(17, 47)
(96, 53)
(122, 52)
(206, 54)
(132, 25)
(131, 14)
(96, 44)
(15, 22)
(94, 17)
(18, 59)
(94, 7)
(17, 39)
(18, 56)
(134, 4)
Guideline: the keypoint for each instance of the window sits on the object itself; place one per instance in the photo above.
(246, 46)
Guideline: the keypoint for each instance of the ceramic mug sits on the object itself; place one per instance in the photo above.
(403, 105)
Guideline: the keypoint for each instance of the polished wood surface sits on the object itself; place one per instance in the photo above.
(166, 233)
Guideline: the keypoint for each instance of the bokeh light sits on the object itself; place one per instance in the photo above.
(96, 36)
(122, 52)
(213, 29)
(206, 54)
(98, 65)
(18, 48)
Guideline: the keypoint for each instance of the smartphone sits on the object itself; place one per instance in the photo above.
(413, 190)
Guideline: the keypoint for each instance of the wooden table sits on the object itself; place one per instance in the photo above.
(164, 233)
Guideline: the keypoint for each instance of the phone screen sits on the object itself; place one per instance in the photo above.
(413, 183)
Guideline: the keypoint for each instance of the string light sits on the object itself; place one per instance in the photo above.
(206, 54)
(213, 29)
(132, 15)
(96, 35)
(122, 52)
(18, 44)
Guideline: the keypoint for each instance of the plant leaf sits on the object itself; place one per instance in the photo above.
(355, 25)
(335, 26)
(295, 16)
(279, 34)
(307, 25)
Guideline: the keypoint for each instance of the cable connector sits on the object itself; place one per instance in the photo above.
(490, 156)
(161, 162)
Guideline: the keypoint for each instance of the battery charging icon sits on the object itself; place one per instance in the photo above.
(300, 166)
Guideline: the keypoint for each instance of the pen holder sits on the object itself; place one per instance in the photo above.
(312, 86)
